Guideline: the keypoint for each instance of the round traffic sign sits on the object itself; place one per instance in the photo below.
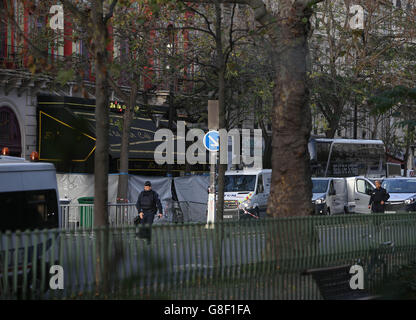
(212, 141)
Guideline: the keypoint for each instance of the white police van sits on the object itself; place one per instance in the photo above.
(246, 192)
(28, 201)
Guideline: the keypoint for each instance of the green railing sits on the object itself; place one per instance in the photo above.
(264, 259)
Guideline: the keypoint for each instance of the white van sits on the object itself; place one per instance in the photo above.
(341, 195)
(28, 195)
(246, 192)
(28, 201)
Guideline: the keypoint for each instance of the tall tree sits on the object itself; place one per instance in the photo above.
(216, 29)
(90, 20)
(350, 64)
(94, 19)
(401, 101)
(128, 69)
(287, 26)
(288, 29)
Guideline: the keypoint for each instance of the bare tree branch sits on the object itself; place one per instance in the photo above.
(110, 11)
(208, 23)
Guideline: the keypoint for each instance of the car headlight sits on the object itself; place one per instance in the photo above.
(409, 201)
(245, 204)
(320, 201)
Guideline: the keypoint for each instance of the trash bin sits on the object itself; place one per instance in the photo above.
(86, 213)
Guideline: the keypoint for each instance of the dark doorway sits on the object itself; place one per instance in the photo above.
(10, 132)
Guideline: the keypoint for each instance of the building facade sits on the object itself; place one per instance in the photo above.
(25, 92)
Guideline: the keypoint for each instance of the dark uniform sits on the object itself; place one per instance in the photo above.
(377, 196)
(149, 203)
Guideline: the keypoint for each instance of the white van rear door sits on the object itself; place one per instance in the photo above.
(331, 201)
(361, 196)
(260, 193)
(340, 200)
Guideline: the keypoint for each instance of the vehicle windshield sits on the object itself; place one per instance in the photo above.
(22, 210)
(240, 183)
(319, 186)
(400, 185)
(341, 159)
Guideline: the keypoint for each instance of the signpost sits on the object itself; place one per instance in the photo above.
(211, 143)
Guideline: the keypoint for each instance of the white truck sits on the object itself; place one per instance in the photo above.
(28, 201)
(28, 195)
(246, 192)
(341, 195)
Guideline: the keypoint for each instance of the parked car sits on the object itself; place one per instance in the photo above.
(402, 194)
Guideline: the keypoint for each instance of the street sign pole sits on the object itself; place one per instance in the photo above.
(213, 124)
(211, 194)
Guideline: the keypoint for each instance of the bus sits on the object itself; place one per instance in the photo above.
(347, 158)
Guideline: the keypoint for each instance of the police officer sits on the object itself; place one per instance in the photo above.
(378, 198)
(148, 203)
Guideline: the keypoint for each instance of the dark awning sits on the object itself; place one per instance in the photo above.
(68, 123)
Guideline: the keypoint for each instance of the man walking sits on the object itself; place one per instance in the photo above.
(378, 198)
(148, 203)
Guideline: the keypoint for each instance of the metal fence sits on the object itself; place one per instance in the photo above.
(81, 216)
(253, 259)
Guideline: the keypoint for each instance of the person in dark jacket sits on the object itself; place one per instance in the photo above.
(148, 203)
(378, 198)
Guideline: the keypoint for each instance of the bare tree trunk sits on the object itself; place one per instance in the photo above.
(267, 154)
(406, 154)
(123, 179)
(330, 133)
(291, 189)
(99, 45)
(406, 158)
(100, 38)
(333, 125)
(376, 120)
(355, 119)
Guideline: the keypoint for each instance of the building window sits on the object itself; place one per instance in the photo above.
(10, 131)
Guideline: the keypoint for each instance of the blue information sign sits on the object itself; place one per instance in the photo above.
(212, 141)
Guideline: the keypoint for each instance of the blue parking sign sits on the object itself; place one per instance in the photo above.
(212, 141)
